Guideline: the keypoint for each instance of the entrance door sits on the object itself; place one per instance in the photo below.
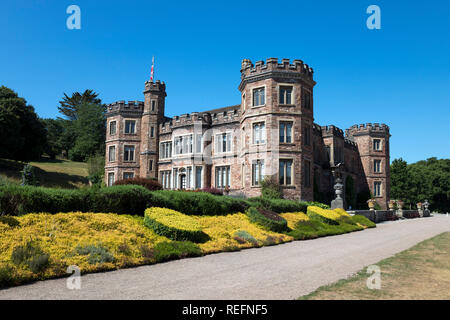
(183, 181)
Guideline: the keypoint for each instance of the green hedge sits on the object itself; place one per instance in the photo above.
(274, 225)
(197, 203)
(174, 225)
(18, 200)
(278, 205)
(130, 199)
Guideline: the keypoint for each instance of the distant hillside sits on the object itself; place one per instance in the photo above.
(50, 173)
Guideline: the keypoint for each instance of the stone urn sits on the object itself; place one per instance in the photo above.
(399, 208)
(419, 205)
(371, 204)
(391, 204)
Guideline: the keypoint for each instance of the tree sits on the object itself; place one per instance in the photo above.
(401, 181)
(89, 129)
(69, 105)
(424, 180)
(23, 136)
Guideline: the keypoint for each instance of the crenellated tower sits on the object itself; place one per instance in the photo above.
(153, 115)
(276, 126)
(372, 140)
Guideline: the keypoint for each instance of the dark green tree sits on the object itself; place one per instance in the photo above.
(69, 105)
(23, 136)
(401, 181)
(89, 129)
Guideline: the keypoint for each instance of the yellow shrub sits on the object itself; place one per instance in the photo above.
(221, 230)
(173, 219)
(327, 213)
(293, 218)
(342, 212)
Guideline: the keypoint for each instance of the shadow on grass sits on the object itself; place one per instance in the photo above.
(12, 170)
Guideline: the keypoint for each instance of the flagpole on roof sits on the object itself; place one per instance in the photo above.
(153, 69)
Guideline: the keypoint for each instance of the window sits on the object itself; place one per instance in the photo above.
(112, 128)
(285, 172)
(165, 177)
(128, 154)
(257, 172)
(223, 143)
(307, 174)
(377, 166)
(130, 126)
(259, 133)
(198, 177)
(377, 144)
(183, 144)
(243, 103)
(128, 175)
(306, 135)
(150, 165)
(152, 132)
(153, 105)
(259, 97)
(306, 99)
(198, 143)
(377, 189)
(285, 132)
(112, 153)
(111, 179)
(223, 177)
(165, 150)
(285, 95)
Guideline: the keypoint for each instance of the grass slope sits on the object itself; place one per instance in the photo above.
(50, 173)
(421, 272)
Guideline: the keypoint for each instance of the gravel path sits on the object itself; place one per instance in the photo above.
(284, 271)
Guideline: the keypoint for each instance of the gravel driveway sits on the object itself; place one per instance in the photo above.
(284, 271)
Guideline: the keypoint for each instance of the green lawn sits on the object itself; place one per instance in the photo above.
(421, 272)
(50, 173)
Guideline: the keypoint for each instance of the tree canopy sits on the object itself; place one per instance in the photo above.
(23, 135)
(424, 180)
(69, 105)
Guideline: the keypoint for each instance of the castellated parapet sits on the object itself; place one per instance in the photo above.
(157, 86)
(248, 68)
(332, 131)
(122, 107)
(367, 128)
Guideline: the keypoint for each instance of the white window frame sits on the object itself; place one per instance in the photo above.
(174, 149)
(125, 126)
(115, 153)
(264, 137)
(292, 122)
(134, 152)
(115, 129)
(279, 86)
(253, 94)
(260, 172)
(221, 172)
(377, 168)
(113, 174)
(380, 184)
(380, 144)
(228, 142)
(127, 173)
(285, 171)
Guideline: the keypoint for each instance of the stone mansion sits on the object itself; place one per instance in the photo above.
(270, 133)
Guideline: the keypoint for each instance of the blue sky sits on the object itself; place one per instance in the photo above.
(399, 75)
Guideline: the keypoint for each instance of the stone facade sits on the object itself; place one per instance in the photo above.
(270, 133)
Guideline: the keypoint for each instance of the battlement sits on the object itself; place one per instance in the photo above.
(225, 116)
(157, 86)
(121, 106)
(332, 131)
(271, 64)
(317, 129)
(350, 144)
(367, 129)
(184, 120)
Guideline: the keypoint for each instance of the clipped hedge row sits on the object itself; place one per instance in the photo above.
(18, 200)
(130, 199)
(256, 216)
(174, 225)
